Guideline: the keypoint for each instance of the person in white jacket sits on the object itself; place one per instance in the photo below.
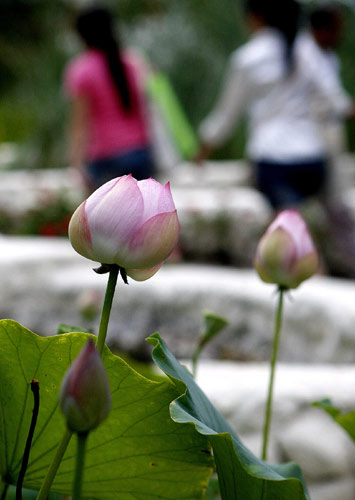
(274, 81)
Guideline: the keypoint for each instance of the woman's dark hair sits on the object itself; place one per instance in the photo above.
(94, 25)
(283, 15)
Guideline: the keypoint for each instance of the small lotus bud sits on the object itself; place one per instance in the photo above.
(130, 223)
(89, 304)
(85, 396)
(286, 254)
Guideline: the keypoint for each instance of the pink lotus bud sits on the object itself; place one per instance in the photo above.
(286, 254)
(128, 223)
(85, 396)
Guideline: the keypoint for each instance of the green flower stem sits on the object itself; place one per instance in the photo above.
(105, 316)
(47, 484)
(195, 357)
(4, 488)
(79, 466)
(106, 308)
(26, 454)
(275, 347)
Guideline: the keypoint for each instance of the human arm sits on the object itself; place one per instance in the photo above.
(351, 113)
(203, 153)
(78, 131)
(77, 87)
(217, 127)
(323, 67)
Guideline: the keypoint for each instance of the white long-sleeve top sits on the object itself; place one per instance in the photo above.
(282, 123)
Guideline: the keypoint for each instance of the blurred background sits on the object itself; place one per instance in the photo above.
(189, 41)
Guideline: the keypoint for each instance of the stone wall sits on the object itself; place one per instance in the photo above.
(44, 282)
(222, 216)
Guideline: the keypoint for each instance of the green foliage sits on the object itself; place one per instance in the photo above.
(138, 453)
(241, 474)
(64, 328)
(345, 420)
(213, 325)
(212, 492)
(32, 53)
(130, 9)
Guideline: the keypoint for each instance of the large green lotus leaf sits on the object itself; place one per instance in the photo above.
(242, 476)
(138, 453)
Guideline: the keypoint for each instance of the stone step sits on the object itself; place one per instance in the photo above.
(44, 282)
(299, 432)
(222, 216)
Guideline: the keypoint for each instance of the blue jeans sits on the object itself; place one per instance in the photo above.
(286, 184)
(138, 162)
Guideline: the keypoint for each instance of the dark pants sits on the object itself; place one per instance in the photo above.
(287, 184)
(139, 163)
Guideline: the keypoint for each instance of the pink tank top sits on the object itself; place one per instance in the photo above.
(111, 129)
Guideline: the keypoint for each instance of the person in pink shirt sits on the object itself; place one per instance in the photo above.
(108, 130)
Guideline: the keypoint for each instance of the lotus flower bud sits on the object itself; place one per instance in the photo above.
(89, 304)
(85, 396)
(130, 223)
(286, 254)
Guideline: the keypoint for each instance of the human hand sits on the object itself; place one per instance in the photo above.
(202, 154)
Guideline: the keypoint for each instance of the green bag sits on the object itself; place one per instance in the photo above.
(162, 94)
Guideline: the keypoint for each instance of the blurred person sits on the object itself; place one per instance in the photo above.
(108, 130)
(275, 81)
(323, 37)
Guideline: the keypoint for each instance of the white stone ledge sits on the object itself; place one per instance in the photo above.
(42, 280)
(299, 432)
